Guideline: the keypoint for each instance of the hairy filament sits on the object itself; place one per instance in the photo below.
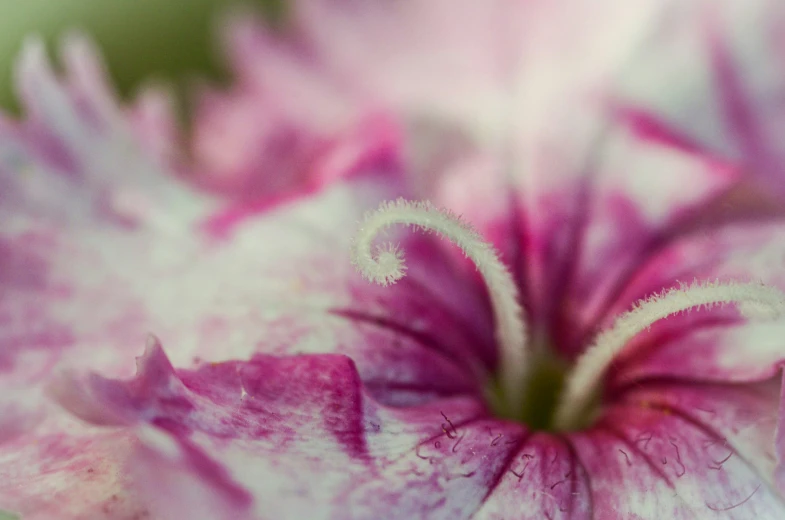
(754, 300)
(386, 265)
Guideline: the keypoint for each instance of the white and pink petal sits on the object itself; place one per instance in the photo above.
(690, 452)
(293, 436)
(286, 128)
(709, 344)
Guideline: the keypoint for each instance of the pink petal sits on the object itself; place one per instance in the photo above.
(743, 418)
(726, 58)
(285, 128)
(154, 121)
(69, 471)
(741, 122)
(717, 344)
(779, 447)
(80, 302)
(683, 451)
(463, 59)
(61, 210)
(545, 479)
(485, 71)
(74, 129)
(280, 69)
(649, 127)
(253, 435)
(676, 449)
(748, 89)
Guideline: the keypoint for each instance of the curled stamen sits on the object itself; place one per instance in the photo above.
(387, 266)
(754, 300)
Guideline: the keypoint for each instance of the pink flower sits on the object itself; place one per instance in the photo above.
(562, 378)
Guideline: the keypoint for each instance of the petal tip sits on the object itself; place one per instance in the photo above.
(32, 56)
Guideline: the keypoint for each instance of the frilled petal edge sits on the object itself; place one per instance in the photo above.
(291, 436)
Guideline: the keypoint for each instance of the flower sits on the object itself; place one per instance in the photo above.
(303, 390)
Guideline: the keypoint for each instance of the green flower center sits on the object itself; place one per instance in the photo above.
(542, 395)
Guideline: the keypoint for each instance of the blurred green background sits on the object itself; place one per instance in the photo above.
(166, 39)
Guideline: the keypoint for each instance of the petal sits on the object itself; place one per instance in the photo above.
(480, 77)
(75, 475)
(727, 58)
(544, 479)
(692, 452)
(612, 197)
(279, 68)
(779, 447)
(709, 344)
(285, 128)
(155, 125)
(487, 67)
(252, 436)
(468, 61)
(743, 418)
(72, 182)
(74, 130)
(650, 127)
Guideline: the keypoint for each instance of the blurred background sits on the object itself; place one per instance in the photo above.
(173, 40)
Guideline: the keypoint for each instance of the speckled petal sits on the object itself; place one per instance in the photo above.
(288, 437)
(68, 470)
(779, 444)
(544, 479)
(684, 451)
(72, 185)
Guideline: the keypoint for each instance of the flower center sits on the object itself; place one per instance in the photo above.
(534, 386)
(547, 374)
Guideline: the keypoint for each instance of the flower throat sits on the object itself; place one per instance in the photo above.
(533, 385)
